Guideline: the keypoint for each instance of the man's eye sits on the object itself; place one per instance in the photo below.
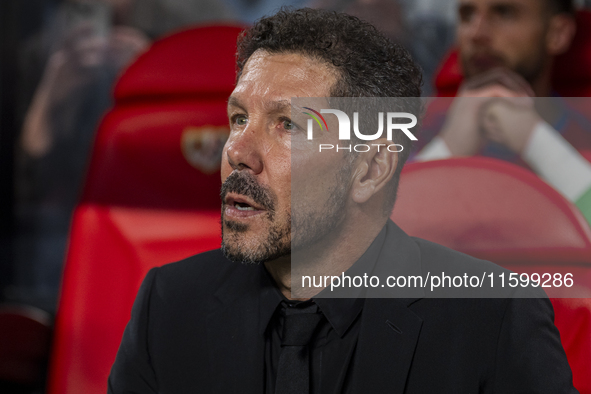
(240, 120)
(466, 14)
(506, 12)
(288, 125)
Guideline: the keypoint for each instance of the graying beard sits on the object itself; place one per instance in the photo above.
(273, 248)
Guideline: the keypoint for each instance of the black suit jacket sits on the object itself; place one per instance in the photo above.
(194, 328)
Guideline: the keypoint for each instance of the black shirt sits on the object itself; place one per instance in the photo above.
(333, 346)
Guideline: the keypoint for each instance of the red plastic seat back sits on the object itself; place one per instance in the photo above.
(171, 100)
(151, 195)
(501, 212)
(571, 75)
(491, 209)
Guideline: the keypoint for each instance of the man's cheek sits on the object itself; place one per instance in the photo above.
(225, 168)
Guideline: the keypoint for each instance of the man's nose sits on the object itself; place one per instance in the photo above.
(480, 29)
(243, 148)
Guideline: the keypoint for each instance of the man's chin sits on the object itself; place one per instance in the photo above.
(252, 257)
(473, 68)
(233, 226)
(243, 244)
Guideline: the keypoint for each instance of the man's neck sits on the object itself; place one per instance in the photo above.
(542, 86)
(334, 254)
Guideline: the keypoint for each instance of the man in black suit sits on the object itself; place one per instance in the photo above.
(225, 321)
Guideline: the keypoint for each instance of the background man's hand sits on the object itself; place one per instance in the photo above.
(464, 131)
(125, 43)
(70, 68)
(510, 121)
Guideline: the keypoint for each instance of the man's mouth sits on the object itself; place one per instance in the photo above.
(484, 62)
(240, 206)
(244, 207)
(244, 199)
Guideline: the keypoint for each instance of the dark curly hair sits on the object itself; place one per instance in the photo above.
(366, 62)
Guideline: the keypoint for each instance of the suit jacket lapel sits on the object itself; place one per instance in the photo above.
(388, 337)
(389, 330)
(236, 345)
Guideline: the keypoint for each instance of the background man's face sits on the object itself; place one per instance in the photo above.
(256, 164)
(503, 33)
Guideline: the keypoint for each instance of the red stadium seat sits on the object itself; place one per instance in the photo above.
(493, 210)
(501, 212)
(571, 74)
(151, 195)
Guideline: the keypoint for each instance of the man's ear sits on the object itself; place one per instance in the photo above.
(373, 170)
(561, 31)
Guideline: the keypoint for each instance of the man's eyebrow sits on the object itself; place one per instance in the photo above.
(505, 5)
(278, 106)
(270, 106)
(465, 7)
(235, 102)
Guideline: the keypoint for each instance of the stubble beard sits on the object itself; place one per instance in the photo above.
(305, 226)
(236, 245)
(238, 248)
(529, 68)
(312, 224)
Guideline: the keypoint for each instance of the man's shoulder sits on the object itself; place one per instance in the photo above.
(438, 257)
(211, 261)
(479, 278)
(203, 272)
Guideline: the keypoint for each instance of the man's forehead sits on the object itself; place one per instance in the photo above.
(284, 75)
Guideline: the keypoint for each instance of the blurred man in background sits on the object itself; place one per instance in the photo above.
(68, 70)
(507, 49)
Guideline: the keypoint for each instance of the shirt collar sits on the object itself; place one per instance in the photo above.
(270, 298)
(340, 308)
